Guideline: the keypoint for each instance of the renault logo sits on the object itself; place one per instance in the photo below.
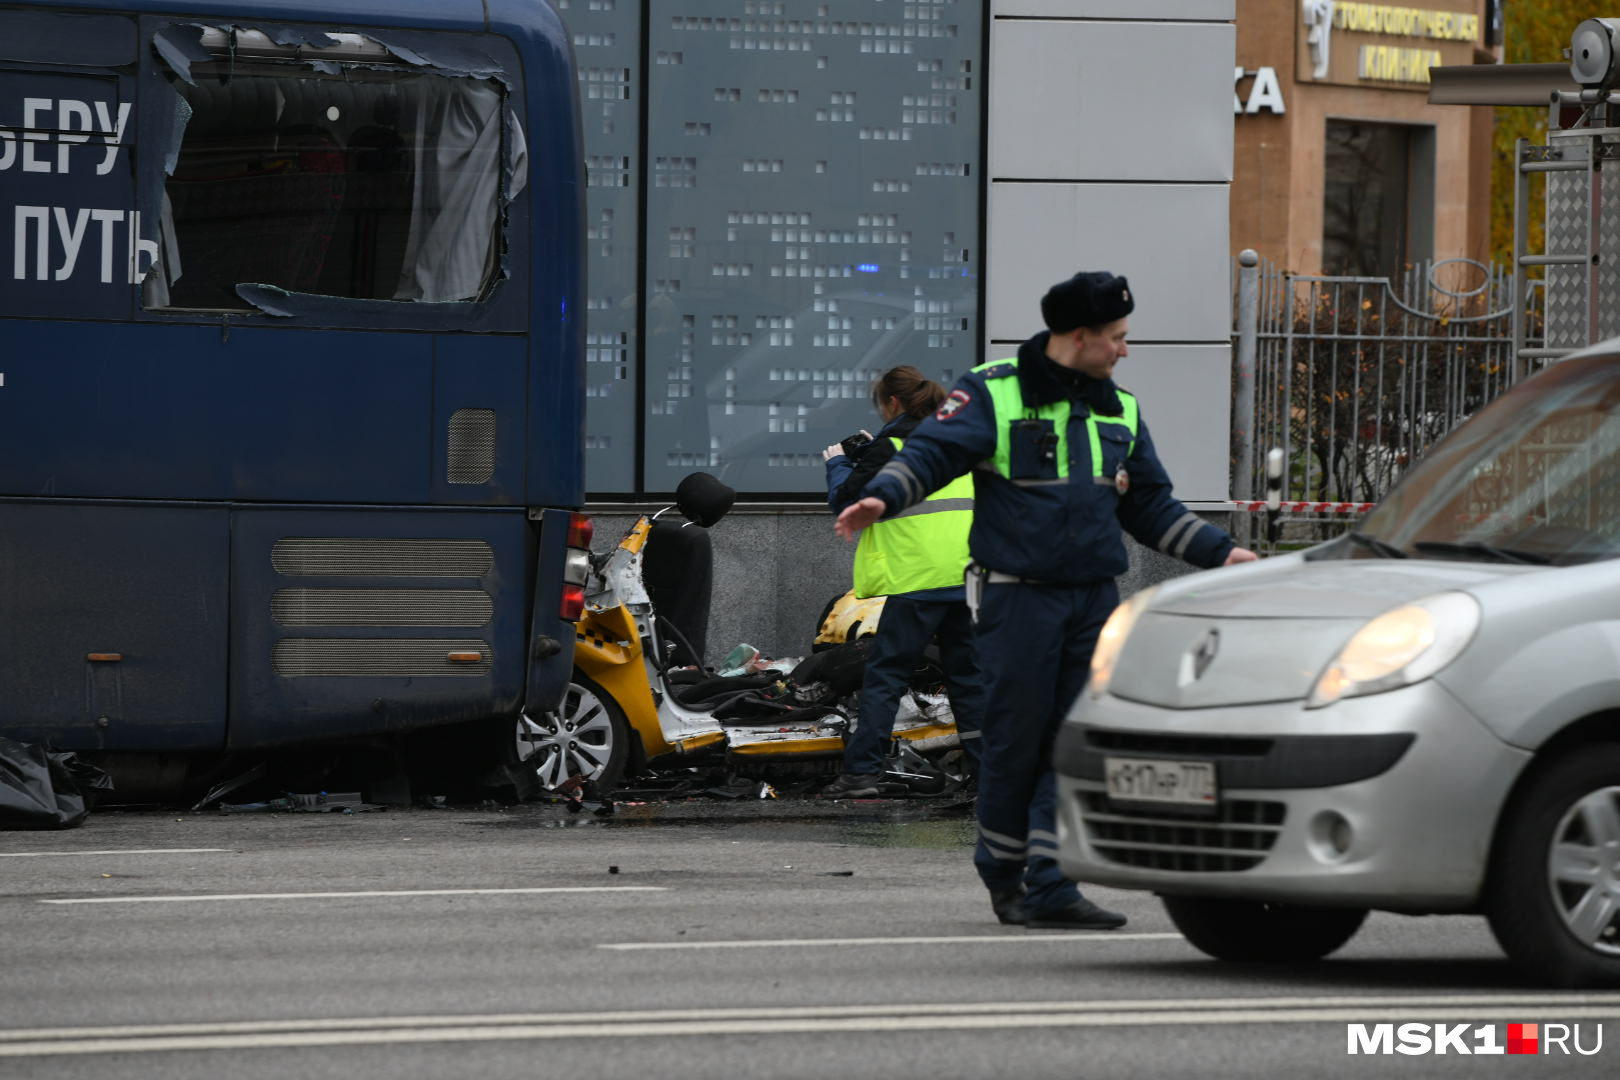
(1203, 654)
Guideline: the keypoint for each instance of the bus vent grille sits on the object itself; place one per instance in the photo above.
(472, 446)
(382, 607)
(379, 657)
(374, 556)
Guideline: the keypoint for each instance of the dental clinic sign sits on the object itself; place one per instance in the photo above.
(1417, 1039)
(1384, 45)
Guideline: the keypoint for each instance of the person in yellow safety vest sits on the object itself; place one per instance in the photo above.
(917, 561)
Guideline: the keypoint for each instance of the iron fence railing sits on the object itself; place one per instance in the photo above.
(1355, 377)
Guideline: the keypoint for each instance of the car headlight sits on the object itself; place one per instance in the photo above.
(1399, 648)
(1112, 640)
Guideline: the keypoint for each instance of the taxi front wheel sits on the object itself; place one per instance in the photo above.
(1258, 931)
(587, 737)
(1553, 898)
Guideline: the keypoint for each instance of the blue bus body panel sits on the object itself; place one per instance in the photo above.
(424, 14)
(311, 666)
(78, 203)
(187, 412)
(556, 154)
(151, 462)
(145, 584)
(487, 375)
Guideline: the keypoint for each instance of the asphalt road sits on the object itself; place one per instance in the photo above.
(693, 939)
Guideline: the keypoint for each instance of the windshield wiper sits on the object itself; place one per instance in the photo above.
(1479, 547)
(1379, 547)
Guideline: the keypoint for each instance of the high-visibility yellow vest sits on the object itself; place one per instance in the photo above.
(922, 547)
(1008, 402)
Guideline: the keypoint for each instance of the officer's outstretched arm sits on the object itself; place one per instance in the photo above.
(1151, 512)
(944, 446)
(858, 515)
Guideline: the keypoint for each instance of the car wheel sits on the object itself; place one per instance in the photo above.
(587, 736)
(1553, 900)
(1258, 931)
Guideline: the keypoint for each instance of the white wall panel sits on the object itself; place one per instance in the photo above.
(1184, 391)
(1169, 239)
(1196, 10)
(1096, 110)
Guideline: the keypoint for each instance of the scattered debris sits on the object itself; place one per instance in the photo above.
(741, 787)
(45, 789)
(319, 802)
(747, 660)
(225, 787)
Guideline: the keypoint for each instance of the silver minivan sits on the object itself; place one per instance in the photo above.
(1421, 716)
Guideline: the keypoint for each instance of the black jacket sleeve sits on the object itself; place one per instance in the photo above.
(873, 457)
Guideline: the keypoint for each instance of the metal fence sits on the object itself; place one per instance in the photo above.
(1355, 377)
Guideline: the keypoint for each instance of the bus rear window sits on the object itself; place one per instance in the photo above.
(361, 182)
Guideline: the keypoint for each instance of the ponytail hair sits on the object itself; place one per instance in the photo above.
(919, 395)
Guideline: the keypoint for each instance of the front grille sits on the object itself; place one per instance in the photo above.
(378, 556)
(379, 657)
(1178, 745)
(1237, 838)
(471, 454)
(381, 607)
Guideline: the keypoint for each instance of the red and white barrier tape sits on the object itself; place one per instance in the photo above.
(1311, 507)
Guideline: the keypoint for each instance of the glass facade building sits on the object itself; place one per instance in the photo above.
(786, 199)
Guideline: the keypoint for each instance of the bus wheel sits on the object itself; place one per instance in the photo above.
(586, 737)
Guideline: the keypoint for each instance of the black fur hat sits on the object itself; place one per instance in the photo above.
(1090, 298)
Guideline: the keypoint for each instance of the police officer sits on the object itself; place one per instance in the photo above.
(915, 561)
(1061, 459)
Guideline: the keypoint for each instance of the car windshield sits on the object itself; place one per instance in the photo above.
(1533, 478)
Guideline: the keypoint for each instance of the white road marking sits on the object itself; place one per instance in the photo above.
(887, 1017)
(813, 943)
(124, 851)
(201, 897)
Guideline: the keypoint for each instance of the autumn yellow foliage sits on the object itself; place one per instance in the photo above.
(1533, 32)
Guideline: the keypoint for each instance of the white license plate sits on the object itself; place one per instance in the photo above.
(1185, 783)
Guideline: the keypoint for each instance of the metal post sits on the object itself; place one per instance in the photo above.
(1243, 371)
(1286, 407)
(1594, 226)
(1521, 243)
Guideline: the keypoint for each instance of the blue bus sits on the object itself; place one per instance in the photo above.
(291, 375)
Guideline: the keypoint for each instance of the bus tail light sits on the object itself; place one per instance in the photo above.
(580, 530)
(573, 603)
(576, 566)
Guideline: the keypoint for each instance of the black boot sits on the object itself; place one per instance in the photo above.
(1080, 915)
(1008, 905)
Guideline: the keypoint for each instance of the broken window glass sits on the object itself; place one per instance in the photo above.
(341, 180)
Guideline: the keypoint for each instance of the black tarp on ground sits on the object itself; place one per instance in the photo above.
(43, 789)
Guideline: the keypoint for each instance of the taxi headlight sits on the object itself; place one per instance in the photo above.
(1399, 648)
(1112, 639)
